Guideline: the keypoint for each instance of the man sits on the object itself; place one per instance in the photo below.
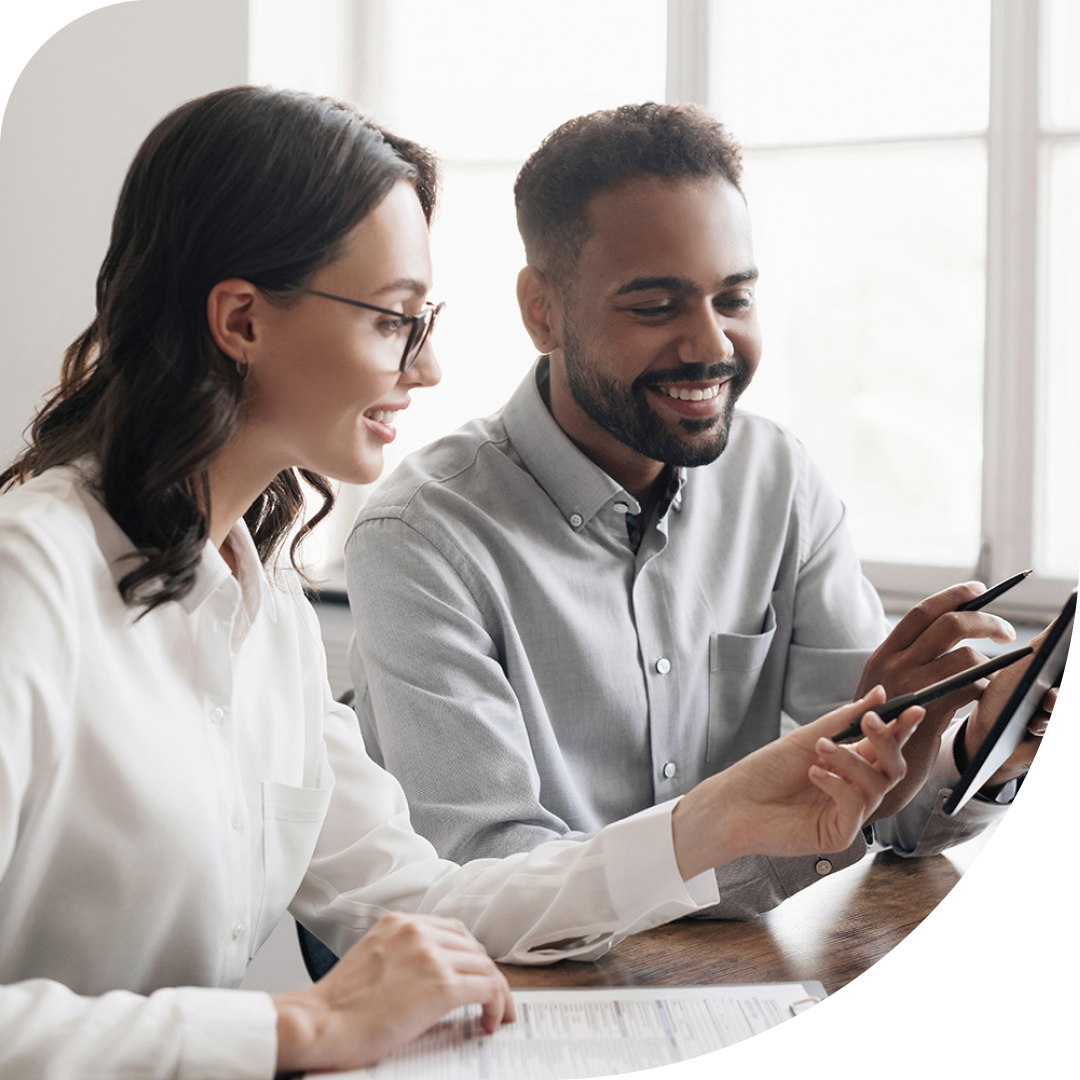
(618, 585)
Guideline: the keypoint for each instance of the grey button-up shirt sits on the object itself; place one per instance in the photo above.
(528, 674)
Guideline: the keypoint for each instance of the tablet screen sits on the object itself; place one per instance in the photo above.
(1008, 732)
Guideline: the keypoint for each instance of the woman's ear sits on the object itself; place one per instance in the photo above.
(230, 314)
(541, 308)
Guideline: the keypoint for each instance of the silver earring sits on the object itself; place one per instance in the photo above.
(241, 369)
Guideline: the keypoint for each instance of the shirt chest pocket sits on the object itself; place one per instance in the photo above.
(746, 673)
(292, 820)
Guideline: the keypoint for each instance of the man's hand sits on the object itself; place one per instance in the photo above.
(388, 988)
(799, 795)
(922, 649)
(985, 715)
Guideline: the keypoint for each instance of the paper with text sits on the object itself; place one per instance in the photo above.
(581, 1033)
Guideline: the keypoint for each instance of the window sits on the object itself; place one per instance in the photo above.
(916, 221)
(915, 204)
(443, 74)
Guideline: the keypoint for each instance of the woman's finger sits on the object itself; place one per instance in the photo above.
(870, 782)
(884, 743)
(848, 800)
(499, 1009)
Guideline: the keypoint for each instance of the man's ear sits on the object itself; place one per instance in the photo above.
(230, 314)
(541, 308)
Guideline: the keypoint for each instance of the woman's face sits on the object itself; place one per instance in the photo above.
(325, 389)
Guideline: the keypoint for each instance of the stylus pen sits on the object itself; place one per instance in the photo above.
(993, 593)
(895, 706)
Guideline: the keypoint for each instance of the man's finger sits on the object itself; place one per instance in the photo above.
(912, 626)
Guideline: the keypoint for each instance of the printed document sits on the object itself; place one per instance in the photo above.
(592, 1032)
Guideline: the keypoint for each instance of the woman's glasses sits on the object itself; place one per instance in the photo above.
(420, 325)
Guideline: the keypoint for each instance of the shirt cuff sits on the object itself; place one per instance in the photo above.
(1005, 793)
(227, 1034)
(643, 874)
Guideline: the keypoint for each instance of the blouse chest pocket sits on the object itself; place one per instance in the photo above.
(292, 820)
(746, 686)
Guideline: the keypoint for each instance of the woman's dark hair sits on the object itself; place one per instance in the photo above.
(248, 182)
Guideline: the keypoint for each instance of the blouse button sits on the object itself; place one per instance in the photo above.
(669, 770)
(663, 665)
(237, 931)
(217, 714)
(823, 867)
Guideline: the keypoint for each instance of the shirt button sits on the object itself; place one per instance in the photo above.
(576, 520)
(237, 931)
(663, 665)
(823, 867)
(237, 821)
(622, 508)
(217, 714)
(669, 770)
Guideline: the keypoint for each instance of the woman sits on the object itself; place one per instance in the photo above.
(174, 773)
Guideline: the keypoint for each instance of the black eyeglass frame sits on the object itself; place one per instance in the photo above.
(420, 324)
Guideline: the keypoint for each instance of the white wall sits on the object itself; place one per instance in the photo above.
(74, 120)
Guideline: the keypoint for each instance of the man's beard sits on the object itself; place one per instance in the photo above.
(629, 416)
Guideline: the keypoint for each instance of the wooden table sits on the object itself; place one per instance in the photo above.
(832, 932)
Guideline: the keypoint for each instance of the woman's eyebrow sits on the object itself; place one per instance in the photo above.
(413, 285)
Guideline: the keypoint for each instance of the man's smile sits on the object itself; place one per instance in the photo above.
(686, 393)
(692, 401)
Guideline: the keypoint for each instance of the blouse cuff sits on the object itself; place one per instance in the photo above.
(227, 1034)
(643, 875)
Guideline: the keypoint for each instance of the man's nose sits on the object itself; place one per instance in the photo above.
(706, 340)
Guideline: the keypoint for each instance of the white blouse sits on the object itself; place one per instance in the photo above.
(171, 784)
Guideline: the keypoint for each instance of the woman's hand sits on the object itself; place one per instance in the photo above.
(800, 795)
(407, 972)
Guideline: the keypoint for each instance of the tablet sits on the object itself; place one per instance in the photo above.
(1005, 736)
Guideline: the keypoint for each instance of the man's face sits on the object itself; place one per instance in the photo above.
(660, 333)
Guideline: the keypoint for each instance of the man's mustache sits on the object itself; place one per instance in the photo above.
(735, 370)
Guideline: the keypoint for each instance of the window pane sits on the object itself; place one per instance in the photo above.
(302, 46)
(1062, 36)
(487, 80)
(480, 342)
(787, 71)
(1058, 542)
(872, 303)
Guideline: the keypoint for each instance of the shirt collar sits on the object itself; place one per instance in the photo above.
(213, 571)
(574, 482)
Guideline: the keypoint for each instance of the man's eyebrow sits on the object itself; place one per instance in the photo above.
(413, 285)
(663, 284)
(683, 286)
(738, 279)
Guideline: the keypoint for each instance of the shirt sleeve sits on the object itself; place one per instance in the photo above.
(838, 622)
(49, 1033)
(837, 618)
(923, 828)
(428, 673)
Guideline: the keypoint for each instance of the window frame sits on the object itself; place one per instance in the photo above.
(1018, 149)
